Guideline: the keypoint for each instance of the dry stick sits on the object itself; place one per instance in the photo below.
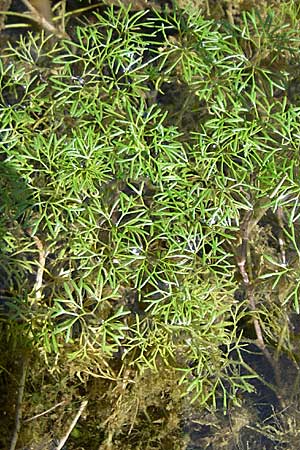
(250, 220)
(65, 438)
(18, 417)
(63, 15)
(246, 225)
(279, 215)
(39, 18)
(45, 412)
(42, 21)
(41, 268)
(249, 288)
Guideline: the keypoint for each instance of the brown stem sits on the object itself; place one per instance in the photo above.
(247, 225)
(279, 214)
(18, 417)
(241, 262)
(40, 12)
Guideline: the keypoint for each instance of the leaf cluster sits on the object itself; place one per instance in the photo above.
(138, 214)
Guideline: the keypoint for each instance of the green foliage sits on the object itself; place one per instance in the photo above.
(138, 211)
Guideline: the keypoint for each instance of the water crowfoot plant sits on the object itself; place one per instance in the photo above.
(142, 220)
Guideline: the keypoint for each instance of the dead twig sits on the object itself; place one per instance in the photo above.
(279, 215)
(241, 257)
(41, 268)
(43, 21)
(69, 431)
(241, 262)
(250, 220)
(18, 417)
(45, 412)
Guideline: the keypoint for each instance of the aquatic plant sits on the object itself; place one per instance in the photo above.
(157, 156)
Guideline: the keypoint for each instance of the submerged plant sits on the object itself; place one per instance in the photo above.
(138, 227)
